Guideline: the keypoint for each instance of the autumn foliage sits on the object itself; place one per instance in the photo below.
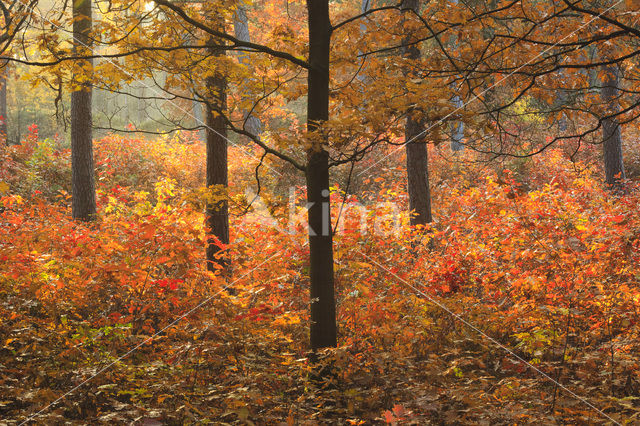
(532, 261)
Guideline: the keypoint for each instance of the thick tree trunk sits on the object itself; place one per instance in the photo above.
(241, 29)
(82, 172)
(3, 104)
(217, 213)
(611, 136)
(323, 329)
(416, 150)
(418, 174)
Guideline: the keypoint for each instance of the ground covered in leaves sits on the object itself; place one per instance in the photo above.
(118, 321)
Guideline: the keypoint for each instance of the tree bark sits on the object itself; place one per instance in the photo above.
(323, 328)
(611, 136)
(418, 174)
(416, 150)
(365, 5)
(241, 28)
(82, 171)
(3, 104)
(457, 127)
(198, 118)
(217, 213)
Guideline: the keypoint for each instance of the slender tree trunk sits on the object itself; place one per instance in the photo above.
(416, 150)
(82, 172)
(611, 136)
(198, 108)
(323, 329)
(198, 118)
(365, 5)
(457, 127)
(217, 213)
(560, 103)
(3, 104)
(241, 29)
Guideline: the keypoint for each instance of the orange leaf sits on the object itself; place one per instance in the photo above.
(148, 231)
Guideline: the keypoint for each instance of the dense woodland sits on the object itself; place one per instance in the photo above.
(323, 212)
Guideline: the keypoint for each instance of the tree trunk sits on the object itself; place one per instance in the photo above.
(365, 5)
(82, 172)
(417, 174)
(198, 118)
(416, 150)
(323, 329)
(3, 104)
(457, 127)
(241, 28)
(217, 213)
(611, 136)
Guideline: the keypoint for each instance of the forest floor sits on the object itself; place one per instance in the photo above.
(519, 305)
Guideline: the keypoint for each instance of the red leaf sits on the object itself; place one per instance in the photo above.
(618, 219)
